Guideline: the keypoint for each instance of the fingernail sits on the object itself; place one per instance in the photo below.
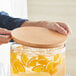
(65, 33)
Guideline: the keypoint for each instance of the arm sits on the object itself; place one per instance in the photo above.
(9, 22)
(56, 26)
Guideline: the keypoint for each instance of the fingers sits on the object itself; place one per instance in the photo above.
(65, 26)
(5, 36)
(60, 29)
(56, 27)
(1, 43)
(5, 31)
(4, 39)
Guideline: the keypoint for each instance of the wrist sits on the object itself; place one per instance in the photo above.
(25, 23)
(36, 24)
(30, 23)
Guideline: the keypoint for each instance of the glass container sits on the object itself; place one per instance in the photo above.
(30, 61)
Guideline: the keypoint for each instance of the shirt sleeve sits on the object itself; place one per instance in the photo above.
(9, 22)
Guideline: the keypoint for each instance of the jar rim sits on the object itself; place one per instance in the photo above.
(38, 50)
(13, 43)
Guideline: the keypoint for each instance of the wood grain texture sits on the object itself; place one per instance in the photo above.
(38, 37)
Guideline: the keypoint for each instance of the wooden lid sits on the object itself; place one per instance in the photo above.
(38, 37)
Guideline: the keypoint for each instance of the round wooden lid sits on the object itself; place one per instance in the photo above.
(38, 37)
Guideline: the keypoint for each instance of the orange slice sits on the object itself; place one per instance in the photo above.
(24, 58)
(53, 71)
(51, 67)
(44, 69)
(42, 60)
(37, 68)
(32, 62)
(15, 71)
(57, 56)
(19, 67)
(59, 59)
(41, 57)
(56, 64)
(13, 57)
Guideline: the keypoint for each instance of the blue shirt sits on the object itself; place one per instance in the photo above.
(9, 22)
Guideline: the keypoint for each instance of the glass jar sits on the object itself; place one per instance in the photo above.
(29, 61)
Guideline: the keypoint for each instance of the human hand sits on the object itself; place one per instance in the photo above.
(60, 27)
(5, 36)
(56, 26)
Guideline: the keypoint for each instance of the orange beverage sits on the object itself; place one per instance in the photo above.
(29, 61)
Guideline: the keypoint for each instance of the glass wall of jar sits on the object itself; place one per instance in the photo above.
(29, 61)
